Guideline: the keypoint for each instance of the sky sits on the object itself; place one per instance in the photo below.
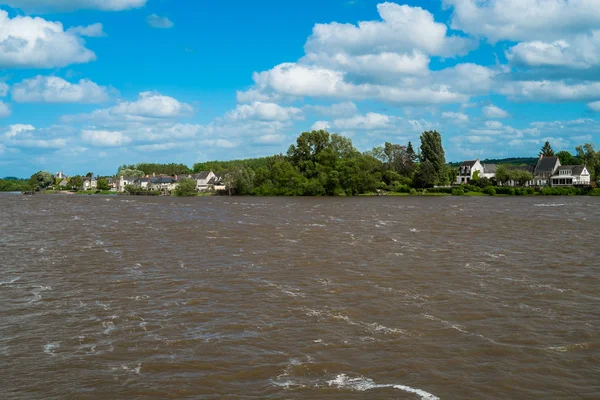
(88, 85)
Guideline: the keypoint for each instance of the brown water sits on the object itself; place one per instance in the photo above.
(299, 298)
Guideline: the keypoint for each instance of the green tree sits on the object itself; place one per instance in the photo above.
(411, 152)
(103, 184)
(76, 182)
(426, 175)
(565, 157)
(502, 174)
(433, 151)
(130, 171)
(547, 150)
(521, 177)
(186, 187)
(41, 179)
(590, 158)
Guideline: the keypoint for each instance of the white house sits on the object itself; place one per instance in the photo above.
(163, 183)
(569, 175)
(90, 182)
(544, 170)
(467, 171)
(202, 180)
(489, 171)
(124, 181)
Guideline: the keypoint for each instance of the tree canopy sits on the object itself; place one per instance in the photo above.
(547, 150)
(186, 187)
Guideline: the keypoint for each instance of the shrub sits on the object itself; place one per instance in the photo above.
(490, 191)
(458, 192)
(413, 191)
(595, 192)
(400, 188)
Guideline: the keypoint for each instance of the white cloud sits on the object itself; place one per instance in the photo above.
(367, 121)
(5, 110)
(4, 88)
(264, 112)
(37, 43)
(271, 139)
(152, 104)
(39, 6)
(335, 110)
(595, 106)
(252, 95)
(103, 138)
(493, 124)
(14, 130)
(52, 89)
(460, 118)
(156, 21)
(224, 143)
(27, 136)
(321, 126)
(493, 111)
(402, 29)
(524, 20)
(549, 91)
(94, 30)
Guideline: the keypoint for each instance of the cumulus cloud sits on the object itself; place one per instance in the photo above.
(321, 126)
(334, 110)
(493, 111)
(402, 29)
(551, 91)
(5, 110)
(94, 30)
(367, 121)
(52, 89)
(456, 117)
(27, 42)
(152, 104)
(271, 139)
(156, 21)
(595, 106)
(103, 138)
(27, 136)
(41, 6)
(524, 20)
(264, 112)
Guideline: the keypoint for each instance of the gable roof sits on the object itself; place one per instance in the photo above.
(576, 170)
(489, 168)
(469, 163)
(202, 175)
(546, 165)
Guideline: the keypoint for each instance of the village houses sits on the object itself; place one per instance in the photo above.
(548, 171)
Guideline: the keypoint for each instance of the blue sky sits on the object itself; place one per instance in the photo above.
(92, 84)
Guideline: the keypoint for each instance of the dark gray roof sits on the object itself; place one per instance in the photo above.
(575, 169)
(545, 165)
(489, 168)
(202, 175)
(162, 179)
(468, 163)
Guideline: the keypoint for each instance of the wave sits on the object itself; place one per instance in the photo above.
(11, 281)
(362, 384)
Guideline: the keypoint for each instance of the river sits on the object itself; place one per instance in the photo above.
(299, 298)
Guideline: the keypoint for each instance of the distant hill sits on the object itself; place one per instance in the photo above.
(507, 161)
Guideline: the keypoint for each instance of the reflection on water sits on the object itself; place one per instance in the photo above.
(387, 298)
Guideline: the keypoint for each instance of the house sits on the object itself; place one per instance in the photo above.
(163, 183)
(143, 183)
(90, 182)
(124, 181)
(63, 183)
(489, 171)
(544, 170)
(202, 180)
(469, 170)
(60, 176)
(570, 175)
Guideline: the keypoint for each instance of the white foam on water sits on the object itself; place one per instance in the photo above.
(50, 347)
(37, 292)
(569, 347)
(548, 205)
(11, 281)
(447, 324)
(109, 327)
(362, 384)
(414, 230)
